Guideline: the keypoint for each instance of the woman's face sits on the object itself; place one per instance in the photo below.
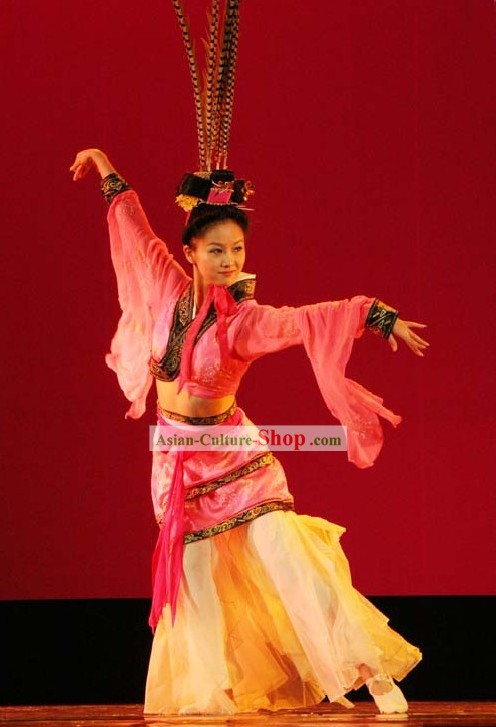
(219, 254)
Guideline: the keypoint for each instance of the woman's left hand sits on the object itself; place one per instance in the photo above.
(403, 329)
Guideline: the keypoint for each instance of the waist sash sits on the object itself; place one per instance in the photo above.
(167, 561)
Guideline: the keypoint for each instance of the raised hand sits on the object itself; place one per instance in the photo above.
(89, 159)
(403, 329)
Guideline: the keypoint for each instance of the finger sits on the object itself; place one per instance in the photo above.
(79, 173)
(414, 324)
(77, 160)
(392, 342)
(415, 350)
(419, 340)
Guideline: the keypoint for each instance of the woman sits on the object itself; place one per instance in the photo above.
(258, 609)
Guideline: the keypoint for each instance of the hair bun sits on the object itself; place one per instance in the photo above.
(217, 187)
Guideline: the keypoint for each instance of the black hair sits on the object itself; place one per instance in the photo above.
(204, 216)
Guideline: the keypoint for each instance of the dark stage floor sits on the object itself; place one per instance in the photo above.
(430, 714)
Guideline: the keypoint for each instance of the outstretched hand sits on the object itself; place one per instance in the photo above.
(89, 159)
(403, 329)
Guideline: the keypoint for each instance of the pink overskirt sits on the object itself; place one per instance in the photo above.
(267, 618)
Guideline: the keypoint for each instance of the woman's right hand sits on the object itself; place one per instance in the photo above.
(88, 159)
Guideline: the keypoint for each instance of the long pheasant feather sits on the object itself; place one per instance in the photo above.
(214, 98)
(193, 68)
(229, 100)
(209, 90)
(223, 73)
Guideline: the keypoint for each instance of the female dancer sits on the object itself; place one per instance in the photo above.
(253, 604)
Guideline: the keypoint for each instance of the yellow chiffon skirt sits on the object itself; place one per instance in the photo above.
(268, 618)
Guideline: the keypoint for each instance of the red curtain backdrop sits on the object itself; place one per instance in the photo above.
(368, 127)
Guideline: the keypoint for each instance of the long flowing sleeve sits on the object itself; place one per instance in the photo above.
(147, 275)
(327, 331)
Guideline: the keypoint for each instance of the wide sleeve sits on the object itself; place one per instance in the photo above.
(147, 276)
(263, 329)
(327, 331)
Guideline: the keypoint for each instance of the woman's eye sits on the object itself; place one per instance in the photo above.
(238, 249)
(215, 251)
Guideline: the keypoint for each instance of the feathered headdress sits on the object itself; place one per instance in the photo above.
(214, 99)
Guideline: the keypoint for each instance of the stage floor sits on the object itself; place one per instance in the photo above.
(430, 714)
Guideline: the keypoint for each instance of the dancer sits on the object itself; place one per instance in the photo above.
(253, 605)
(265, 612)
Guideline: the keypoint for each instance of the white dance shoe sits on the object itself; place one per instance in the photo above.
(387, 695)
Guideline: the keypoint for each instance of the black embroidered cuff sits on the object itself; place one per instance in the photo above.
(381, 318)
(112, 185)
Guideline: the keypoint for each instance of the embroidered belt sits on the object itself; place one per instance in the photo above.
(233, 522)
(198, 421)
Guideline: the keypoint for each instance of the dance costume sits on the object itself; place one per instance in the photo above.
(265, 614)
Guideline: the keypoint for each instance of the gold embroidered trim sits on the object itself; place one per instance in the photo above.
(168, 368)
(233, 522)
(263, 460)
(381, 318)
(198, 421)
(112, 185)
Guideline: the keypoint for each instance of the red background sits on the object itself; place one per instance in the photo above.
(368, 127)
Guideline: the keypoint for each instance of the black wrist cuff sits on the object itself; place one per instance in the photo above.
(112, 185)
(381, 318)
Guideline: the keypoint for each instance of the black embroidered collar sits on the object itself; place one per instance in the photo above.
(168, 368)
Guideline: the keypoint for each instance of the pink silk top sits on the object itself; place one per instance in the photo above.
(150, 283)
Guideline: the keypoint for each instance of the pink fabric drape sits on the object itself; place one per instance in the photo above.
(167, 561)
(147, 276)
(328, 331)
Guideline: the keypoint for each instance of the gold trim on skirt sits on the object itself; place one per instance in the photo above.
(233, 522)
(262, 460)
